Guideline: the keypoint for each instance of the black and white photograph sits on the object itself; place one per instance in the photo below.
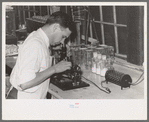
(74, 56)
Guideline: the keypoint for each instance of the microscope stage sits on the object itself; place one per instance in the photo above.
(68, 84)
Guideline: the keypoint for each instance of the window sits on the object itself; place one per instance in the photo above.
(111, 25)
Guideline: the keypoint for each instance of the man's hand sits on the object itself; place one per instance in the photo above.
(42, 76)
(62, 66)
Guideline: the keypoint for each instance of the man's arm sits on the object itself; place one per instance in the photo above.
(42, 76)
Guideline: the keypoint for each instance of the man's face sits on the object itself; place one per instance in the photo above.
(60, 35)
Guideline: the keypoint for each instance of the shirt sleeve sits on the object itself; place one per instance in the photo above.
(29, 64)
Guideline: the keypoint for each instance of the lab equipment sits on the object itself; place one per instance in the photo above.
(70, 79)
(118, 78)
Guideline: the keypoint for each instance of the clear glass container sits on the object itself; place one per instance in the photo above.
(79, 57)
(110, 57)
(83, 56)
(100, 50)
(112, 54)
(103, 65)
(98, 64)
(76, 51)
(94, 60)
(105, 49)
(89, 55)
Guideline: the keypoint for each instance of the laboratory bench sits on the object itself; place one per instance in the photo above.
(93, 92)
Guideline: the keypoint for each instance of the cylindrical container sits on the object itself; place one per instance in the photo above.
(111, 50)
(105, 49)
(78, 24)
(98, 64)
(76, 51)
(94, 60)
(83, 56)
(89, 55)
(78, 56)
(103, 66)
(110, 56)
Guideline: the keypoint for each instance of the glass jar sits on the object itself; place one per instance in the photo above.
(98, 64)
(100, 50)
(103, 67)
(105, 49)
(89, 55)
(79, 56)
(94, 60)
(83, 56)
(112, 54)
(110, 57)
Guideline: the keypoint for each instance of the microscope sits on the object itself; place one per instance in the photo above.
(69, 79)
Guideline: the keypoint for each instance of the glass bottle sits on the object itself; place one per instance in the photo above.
(98, 64)
(89, 56)
(103, 66)
(94, 60)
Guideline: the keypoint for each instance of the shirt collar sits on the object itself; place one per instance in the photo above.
(44, 36)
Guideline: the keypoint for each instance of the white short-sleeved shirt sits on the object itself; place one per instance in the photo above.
(33, 57)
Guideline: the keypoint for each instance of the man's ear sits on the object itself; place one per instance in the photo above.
(56, 27)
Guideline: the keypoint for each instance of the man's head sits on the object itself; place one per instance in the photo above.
(62, 26)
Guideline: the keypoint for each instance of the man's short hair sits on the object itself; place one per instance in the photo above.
(64, 20)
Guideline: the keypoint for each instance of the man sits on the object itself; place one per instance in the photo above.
(32, 71)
